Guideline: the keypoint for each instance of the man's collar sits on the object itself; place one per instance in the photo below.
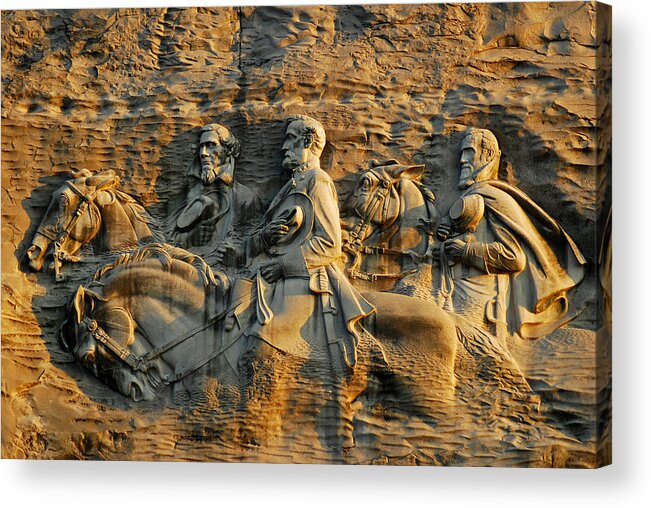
(222, 177)
(306, 166)
(300, 169)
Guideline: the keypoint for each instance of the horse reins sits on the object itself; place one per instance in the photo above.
(353, 244)
(64, 233)
(142, 363)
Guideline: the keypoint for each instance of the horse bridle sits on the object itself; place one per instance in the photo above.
(143, 363)
(353, 244)
(62, 234)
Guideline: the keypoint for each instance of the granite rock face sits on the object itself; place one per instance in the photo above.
(128, 89)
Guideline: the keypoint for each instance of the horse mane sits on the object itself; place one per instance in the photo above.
(427, 193)
(138, 215)
(166, 254)
(429, 200)
(143, 224)
(146, 252)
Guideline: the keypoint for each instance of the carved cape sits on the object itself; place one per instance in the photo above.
(552, 266)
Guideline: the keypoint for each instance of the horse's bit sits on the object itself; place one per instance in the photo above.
(64, 233)
(353, 244)
(143, 363)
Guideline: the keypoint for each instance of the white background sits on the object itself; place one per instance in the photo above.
(627, 483)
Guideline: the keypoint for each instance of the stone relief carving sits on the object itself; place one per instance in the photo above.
(159, 321)
(307, 303)
(216, 205)
(89, 208)
(494, 241)
(389, 224)
(505, 264)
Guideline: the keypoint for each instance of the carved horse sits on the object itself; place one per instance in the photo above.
(388, 223)
(156, 316)
(89, 208)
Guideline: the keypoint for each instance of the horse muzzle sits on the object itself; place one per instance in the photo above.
(36, 252)
(135, 386)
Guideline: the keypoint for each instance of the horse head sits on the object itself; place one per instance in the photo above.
(73, 218)
(390, 219)
(383, 194)
(103, 337)
(131, 327)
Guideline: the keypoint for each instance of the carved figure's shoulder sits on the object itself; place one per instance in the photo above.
(318, 176)
(500, 194)
(243, 190)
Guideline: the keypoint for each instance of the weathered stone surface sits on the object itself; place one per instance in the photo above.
(127, 90)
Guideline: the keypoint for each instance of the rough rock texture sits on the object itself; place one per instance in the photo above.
(126, 89)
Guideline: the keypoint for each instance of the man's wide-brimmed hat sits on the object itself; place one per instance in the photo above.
(466, 213)
(192, 214)
(297, 212)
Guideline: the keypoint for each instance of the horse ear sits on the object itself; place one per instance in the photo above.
(78, 303)
(106, 180)
(410, 172)
(82, 173)
(83, 296)
(67, 330)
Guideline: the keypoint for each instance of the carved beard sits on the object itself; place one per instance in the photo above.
(466, 179)
(225, 174)
(486, 171)
(208, 175)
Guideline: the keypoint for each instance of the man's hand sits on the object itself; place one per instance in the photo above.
(443, 231)
(274, 231)
(271, 272)
(454, 249)
(227, 254)
(206, 229)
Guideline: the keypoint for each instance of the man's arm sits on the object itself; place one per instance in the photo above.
(323, 246)
(194, 189)
(505, 255)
